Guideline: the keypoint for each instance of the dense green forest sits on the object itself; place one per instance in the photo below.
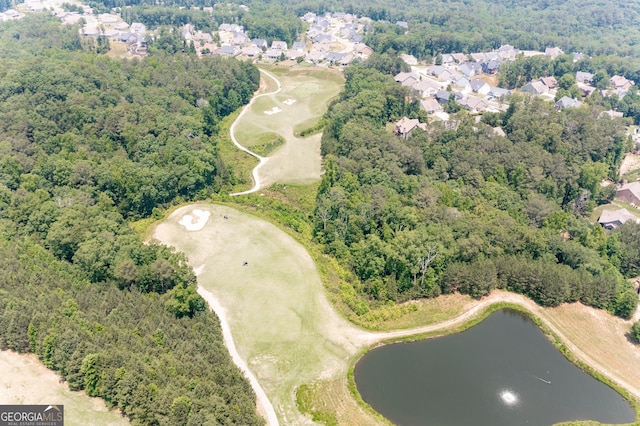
(269, 22)
(88, 143)
(436, 26)
(460, 208)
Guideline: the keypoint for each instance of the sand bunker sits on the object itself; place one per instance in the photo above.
(196, 220)
(289, 102)
(273, 110)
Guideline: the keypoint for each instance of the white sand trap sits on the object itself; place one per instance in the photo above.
(273, 110)
(289, 102)
(196, 220)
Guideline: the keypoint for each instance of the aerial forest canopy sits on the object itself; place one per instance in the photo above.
(87, 144)
(436, 26)
(461, 208)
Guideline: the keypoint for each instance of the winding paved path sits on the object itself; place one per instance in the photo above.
(232, 131)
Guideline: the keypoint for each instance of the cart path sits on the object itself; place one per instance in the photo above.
(262, 160)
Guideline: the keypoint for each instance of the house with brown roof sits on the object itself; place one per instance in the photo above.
(405, 126)
(611, 219)
(629, 192)
(621, 83)
(550, 82)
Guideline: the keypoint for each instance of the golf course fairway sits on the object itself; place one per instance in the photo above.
(272, 297)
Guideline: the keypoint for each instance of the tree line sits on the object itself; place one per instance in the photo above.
(462, 209)
(87, 145)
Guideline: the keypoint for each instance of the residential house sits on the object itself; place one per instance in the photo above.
(279, 45)
(431, 106)
(470, 69)
(474, 104)
(407, 78)
(138, 28)
(584, 77)
(629, 192)
(299, 45)
(403, 24)
(239, 39)
(440, 73)
(251, 51)
(480, 87)
(618, 82)
(567, 102)
(259, 42)
(611, 113)
(108, 19)
(322, 38)
(229, 50)
(405, 126)
(462, 82)
(535, 88)
(553, 52)
(273, 54)
(586, 90)
(550, 82)
(447, 59)
(409, 59)
(426, 87)
(491, 67)
(611, 219)
(362, 50)
(443, 96)
(498, 93)
(459, 57)
(335, 57)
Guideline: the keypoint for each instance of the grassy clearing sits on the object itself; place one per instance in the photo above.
(415, 313)
(302, 101)
(24, 380)
(282, 325)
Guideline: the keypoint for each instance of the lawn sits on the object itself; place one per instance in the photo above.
(282, 324)
(300, 104)
(26, 381)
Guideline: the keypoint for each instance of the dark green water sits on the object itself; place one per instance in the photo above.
(494, 374)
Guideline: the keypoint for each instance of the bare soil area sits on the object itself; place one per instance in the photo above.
(630, 163)
(25, 380)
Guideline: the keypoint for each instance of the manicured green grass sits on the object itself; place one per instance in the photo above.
(300, 104)
(282, 324)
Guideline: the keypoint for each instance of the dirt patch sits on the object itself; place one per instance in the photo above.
(630, 163)
(25, 380)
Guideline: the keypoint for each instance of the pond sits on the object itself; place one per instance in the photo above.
(503, 371)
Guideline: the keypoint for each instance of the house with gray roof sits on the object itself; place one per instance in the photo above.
(611, 219)
(629, 192)
(479, 87)
(259, 42)
(407, 78)
(229, 50)
(567, 102)
(584, 77)
(498, 93)
(535, 88)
